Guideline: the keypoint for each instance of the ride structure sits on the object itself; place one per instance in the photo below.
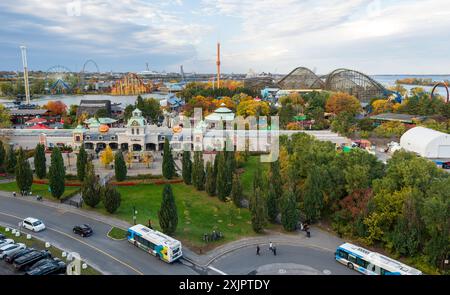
(25, 74)
(441, 84)
(83, 75)
(131, 84)
(57, 80)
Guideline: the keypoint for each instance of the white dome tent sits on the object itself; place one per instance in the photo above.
(427, 143)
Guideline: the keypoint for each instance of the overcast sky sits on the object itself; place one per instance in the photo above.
(373, 36)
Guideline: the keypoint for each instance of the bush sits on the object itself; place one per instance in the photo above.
(111, 199)
(390, 129)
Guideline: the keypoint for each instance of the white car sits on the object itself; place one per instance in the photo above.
(33, 224)
(11, 249)
(6, 242)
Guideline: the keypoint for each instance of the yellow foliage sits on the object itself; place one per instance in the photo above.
(252, 108)
(107, 156)
(382, 106)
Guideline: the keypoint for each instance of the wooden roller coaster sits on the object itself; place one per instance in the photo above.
(131, 84)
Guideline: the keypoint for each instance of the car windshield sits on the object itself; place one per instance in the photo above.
(36, 223)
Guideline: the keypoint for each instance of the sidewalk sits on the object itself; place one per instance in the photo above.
(320, 239)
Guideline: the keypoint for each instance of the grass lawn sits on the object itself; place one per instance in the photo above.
(37, 189)
(117, 234)
(197, 213)
(249, 170)
(38, 244)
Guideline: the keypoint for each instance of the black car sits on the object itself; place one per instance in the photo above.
(49, 267)
(10, 258)
(25, 261)
(446, 165)
(83, 230)
(2, 237)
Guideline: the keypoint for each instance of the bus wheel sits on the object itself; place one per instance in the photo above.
(350, 265)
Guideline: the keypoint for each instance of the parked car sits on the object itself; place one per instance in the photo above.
(11, 257)
(2, 237)
(43, 261)
(6, 242)
(11, 249)
(83, 230)
(446, 165)
(49, 267)
(25, 261)
(33, 224)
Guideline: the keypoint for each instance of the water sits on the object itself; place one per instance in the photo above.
(75, 99)
(389, 80)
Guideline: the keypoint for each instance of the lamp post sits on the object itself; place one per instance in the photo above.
(134, 215)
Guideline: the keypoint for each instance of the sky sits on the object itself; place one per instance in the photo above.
(372, 36)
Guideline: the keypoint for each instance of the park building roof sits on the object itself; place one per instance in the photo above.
(427, 143)
(136, 120)
(403, 118)
(221, 114)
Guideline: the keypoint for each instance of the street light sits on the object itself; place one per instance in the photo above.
(134, 215)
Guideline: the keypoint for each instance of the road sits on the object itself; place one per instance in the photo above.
(104, 254)
(291, 260)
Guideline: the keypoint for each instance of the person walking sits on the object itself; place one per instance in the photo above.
(275, 251)
(270, 246)
(257, 250)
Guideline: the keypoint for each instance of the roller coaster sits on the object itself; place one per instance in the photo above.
(131, 84)
(352, 82)
(441, 84)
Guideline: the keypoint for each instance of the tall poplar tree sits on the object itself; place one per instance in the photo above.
(81, 163)
(187, 168)
(168, 165)
(40, 161)
(168, 214)
(57, 174)
(24, 175)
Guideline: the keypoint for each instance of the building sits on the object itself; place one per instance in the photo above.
(393, 117)
(427, 143)
(91, 107)
(222, 114)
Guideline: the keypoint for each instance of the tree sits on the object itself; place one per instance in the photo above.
(343, 102)
(168, 165)
(290, 215)
(120, 168)
(40, 161)
(102, 113)
(56, 108)
(258, 211)
(198, 171)
(312, 195)
(107, 156)
(2, 156)
(91, 189)
(221, 179)
(57, 174)
(81, 163)
(253, 108)
(236, 191)
(24, 175)
(167, 214)
(150, 107)
(272, 204)
(187, 168)
(210, 185)
(230, 166)
(111, 198)
(11, 160)
(5, 117)
(276, 183)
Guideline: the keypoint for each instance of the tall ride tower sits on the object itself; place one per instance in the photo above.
(25, 74)
(218, 65)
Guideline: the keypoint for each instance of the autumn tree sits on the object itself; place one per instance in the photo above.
(107, 156)
(56, 108)
(253, 108)
(342, 102)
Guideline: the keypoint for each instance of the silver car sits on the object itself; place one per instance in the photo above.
(10, 249)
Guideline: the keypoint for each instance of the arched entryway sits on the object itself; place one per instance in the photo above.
(101, 146)
(137, 147)
(161, 146)
(89, 145)
(150, 147)
(124, 146)
(114, 146)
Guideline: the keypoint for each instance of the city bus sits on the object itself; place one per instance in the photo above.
(371, 263)
(154, 242)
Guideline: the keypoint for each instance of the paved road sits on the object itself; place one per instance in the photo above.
(295, 260)
(104, 254)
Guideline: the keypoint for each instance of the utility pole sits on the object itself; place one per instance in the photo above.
(218, 65)
(25, 74)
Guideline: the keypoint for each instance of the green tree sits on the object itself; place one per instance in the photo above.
(312, 195)
(230, 166)
(290, 214)
(111, 198)
(187, 168)
(276, 183)
(236, 191)
(168, 165)
(2, 156)
(5, 117)
(210, 185)
(272, 205)
(91, 189)
(24, 175)
(120, 168)
(57, 174)
(11, 160)
(81, 163)
(221, 177)
(40, 161)
(168, 214)
(258, 211)
(198, 171)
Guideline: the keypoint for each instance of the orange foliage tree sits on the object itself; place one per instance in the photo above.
(342, 102)
(56, 108)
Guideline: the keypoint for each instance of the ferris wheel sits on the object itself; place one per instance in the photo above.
(58, 80)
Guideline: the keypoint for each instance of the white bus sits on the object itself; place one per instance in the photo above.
(166, 248)
(371, 263)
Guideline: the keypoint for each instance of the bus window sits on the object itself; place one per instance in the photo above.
(385, 272)
(361, 262)
(351, 258)
(343, 254)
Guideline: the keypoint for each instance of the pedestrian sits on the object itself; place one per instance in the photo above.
(257, 250)
(150, 224)
(308, 234)
(14, 194)
(275, 251)
(270, 246)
